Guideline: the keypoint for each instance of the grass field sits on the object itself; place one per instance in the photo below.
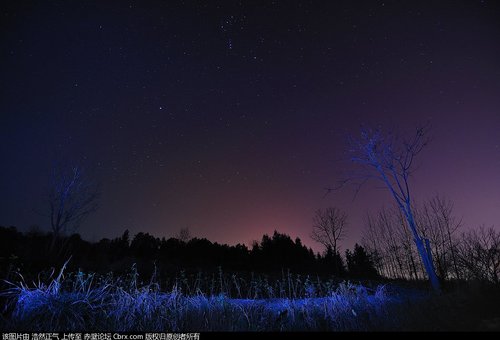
(88, 302)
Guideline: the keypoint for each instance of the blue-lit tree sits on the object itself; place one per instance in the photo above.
(390, 160)
(72, 196)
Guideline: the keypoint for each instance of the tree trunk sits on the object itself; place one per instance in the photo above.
(425, 253)
(428, 265)
(453, 256)
(413, 266)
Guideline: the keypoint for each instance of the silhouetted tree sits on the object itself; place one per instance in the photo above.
(333, 262)
(281, 252)
(437, 222)
(359, 263)
(144, 246)
(329, 227)
(120, 246)
(389, 242)
(479, 254)
(184, 235)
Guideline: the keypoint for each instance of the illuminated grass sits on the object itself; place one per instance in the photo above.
(81, 301)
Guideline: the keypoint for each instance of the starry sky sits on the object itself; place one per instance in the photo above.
(231, 117)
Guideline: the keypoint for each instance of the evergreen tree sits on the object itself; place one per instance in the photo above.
(359, 263)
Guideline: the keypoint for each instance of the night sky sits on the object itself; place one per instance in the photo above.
(230, 118)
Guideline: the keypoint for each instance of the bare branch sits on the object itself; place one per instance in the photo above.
(71, 198)
(329, 227)
(382, 155)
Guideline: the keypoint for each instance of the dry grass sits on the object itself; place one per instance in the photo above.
(80, 301)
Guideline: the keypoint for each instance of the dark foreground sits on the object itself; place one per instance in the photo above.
(86, 303)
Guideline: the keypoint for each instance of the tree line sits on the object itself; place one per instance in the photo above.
(457, 254)
(30, 253)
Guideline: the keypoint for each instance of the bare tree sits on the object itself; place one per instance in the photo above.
(479, 254)
(371, 241)
(382, 156)
(437, 222)
(389, 241)
(184, 235)
(71, 197)
(412, 268)
(387, 238)
(329, 227)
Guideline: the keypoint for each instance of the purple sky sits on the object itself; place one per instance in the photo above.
(230, 118)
